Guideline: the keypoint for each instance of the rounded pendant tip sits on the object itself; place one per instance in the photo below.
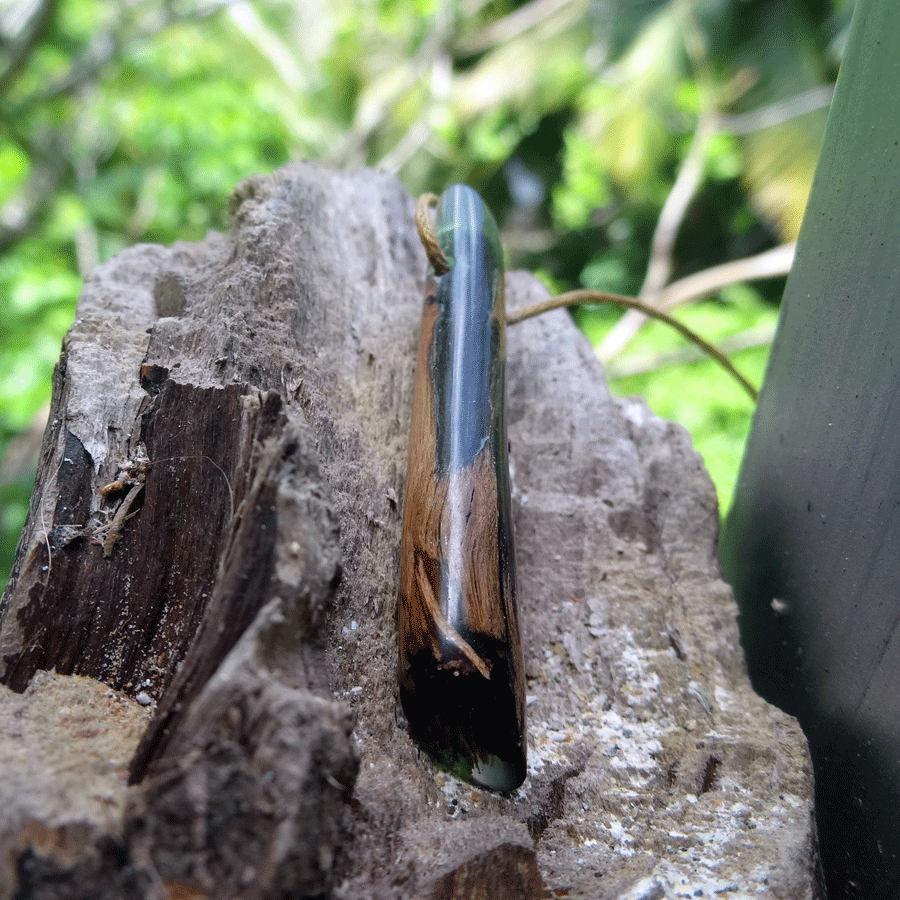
(498, 775)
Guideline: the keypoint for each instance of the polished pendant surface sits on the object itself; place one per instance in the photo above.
(461, 672)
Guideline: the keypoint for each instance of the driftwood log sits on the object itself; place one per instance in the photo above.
(198, 643)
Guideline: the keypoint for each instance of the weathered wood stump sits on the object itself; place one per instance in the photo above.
(203, 602)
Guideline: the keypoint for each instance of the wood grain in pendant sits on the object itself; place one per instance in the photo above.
(461, 670)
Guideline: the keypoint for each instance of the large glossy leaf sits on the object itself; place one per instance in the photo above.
(812, 544)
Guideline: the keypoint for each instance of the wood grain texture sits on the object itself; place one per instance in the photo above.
(461, 672)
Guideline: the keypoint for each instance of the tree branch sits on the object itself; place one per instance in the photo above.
(20, 51)
(111, 43)
(368, 119)
(518, 22)
(25, 207)
(580, 297)
(769, 264)
(270, 45)
(659, 267)
(760, 336)
(779, 112)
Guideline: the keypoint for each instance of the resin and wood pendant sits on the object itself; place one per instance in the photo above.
(462, 682)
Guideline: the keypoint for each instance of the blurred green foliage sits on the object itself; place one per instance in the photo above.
(698, 393)
(127, 122)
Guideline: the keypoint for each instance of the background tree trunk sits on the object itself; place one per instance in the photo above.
(214, 534)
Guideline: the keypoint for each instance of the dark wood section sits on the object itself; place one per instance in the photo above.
(242, 584)
(102, 604)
